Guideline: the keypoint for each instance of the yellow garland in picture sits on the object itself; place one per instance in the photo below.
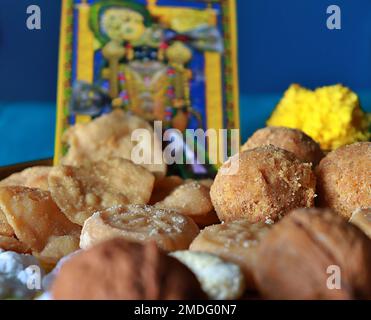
(330, 115)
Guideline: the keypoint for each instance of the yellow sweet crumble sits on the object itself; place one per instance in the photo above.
(330, 115)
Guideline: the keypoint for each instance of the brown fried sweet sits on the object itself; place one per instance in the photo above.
(110, 136)
(293, 140)
(362, 219)
(268, 183)
(163, 187)
(13, 244)
(81, 191)
(34, 216)
(344, 179)
(314, 254)
(121, 270)
(235, 241)
(34, 177)
(169, 229)
(193, 200)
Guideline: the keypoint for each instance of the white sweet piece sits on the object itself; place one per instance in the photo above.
(219, 279)
(15, 272)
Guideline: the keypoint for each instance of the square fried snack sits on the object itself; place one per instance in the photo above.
(81, 191)
(34, 177)
(110, 136)
(34, 216)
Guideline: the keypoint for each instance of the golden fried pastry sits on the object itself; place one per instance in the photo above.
(314, 254)
(268, 183)
(344, 179)
(221, 280)
(362, 219)
(293, 140)
(235, 241)
(58, 247)
(34, 216)
(5, 228)
(193, 200)
(13, 244)
(170, 230)
(80, 191)
(121, 270)
(110, 136)
(34, 177)
(163, 187)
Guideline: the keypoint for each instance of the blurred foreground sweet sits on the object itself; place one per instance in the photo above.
(121, 270)
(269, 182)
(344, 179)
(331, 115)
(314, 254)
(219, 279)
(293, 140)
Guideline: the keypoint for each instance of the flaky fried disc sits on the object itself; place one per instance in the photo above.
(110, 136)
(192, 199)
(80, 191)
(34, 177)
(170, 230)
(34, 216)
(13, 244)
(57, 248)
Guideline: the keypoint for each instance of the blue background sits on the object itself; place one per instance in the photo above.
(280, 42)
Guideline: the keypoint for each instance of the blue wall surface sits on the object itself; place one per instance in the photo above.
(281, 42)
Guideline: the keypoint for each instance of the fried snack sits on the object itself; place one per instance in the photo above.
(236, 242)
(34, 216)
(270, 181)
(58, 247)
(34, 177)
(13, 244)
(121, 270)
(5, 228)
(193, 200)
(293, 140)
(110, 136)
(314, 254)
(344, 179)
(163, 187)
(170, 230)
(221, 280)
(362, 219)
(81, 191)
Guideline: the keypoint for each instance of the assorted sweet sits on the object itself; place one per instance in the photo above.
(110, 136)
(236, 242)
(80, 191)
(344, 179)
(170, 230)
(191, 199)
(121, 270)
(221, 280)
(293, 140)
(362, 219)
(268, 183)
(310, 253)
(331, 115)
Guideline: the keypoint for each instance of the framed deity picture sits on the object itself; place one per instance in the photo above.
(162, 60)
